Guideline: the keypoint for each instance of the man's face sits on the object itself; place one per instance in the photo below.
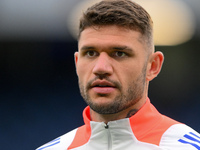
(111, 66)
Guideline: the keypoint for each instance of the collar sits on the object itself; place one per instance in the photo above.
(144, 115)
(147, 124)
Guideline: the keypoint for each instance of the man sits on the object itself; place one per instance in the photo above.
(115, 62)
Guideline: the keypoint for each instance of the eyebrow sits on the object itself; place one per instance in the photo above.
(120, 48)
(85, 48)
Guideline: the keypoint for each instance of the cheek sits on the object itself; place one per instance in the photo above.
(128, 74)
(82, 72)
(129, 71)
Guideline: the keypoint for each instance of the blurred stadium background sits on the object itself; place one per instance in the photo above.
(39, 95)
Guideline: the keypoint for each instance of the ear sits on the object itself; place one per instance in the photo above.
(76, 58)
(154, 65)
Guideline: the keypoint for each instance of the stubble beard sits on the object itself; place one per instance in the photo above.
(120, 102)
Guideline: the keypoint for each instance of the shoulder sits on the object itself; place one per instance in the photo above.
(180, 137)
(60, 143)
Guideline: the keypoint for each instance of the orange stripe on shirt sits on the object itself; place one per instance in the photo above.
(84, 132)
(148, 125)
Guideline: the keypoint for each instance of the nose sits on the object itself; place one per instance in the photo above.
(103, 66)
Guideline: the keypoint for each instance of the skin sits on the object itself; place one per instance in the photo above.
(114, 66)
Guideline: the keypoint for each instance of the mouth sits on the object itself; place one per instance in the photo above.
(103, 87)
(102, 83)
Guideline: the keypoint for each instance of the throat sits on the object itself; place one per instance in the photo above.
(110, 117)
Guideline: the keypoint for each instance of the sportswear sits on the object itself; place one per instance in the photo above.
(146, 130)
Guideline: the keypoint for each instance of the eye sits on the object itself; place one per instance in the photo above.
(119, 54)
(91, 53)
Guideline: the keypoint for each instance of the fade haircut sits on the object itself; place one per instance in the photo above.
(122, 13)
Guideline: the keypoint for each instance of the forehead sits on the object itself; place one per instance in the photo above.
(110, 36)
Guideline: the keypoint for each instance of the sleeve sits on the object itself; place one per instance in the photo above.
(180, 137)
(60, 143)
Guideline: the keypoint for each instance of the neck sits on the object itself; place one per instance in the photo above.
(127, 113)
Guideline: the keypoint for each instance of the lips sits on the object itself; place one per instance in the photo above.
(102, 83)
(103, 87)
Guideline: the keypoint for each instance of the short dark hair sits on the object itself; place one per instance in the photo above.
(123, 13)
